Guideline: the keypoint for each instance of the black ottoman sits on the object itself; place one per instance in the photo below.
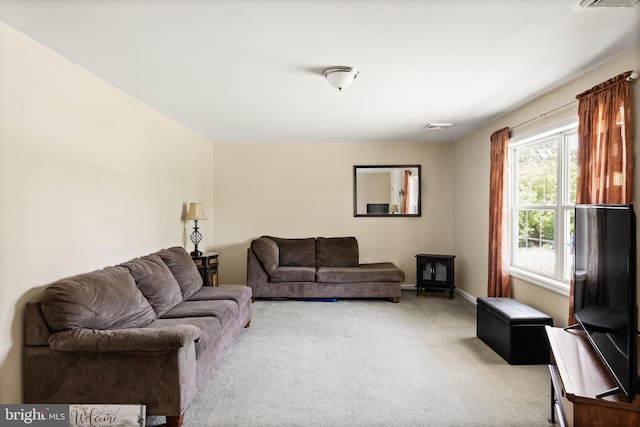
(513, 330)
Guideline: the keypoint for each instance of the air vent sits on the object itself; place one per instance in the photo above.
(437, 126)
(608, 3)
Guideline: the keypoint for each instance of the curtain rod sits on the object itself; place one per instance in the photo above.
(544, 114)
(633, 77)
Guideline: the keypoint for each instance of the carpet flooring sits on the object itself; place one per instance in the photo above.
(368, 363)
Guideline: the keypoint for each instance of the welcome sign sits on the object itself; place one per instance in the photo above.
(106, 415)
(76, 415)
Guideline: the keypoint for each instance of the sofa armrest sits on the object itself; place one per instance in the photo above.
(119, 340)
(257, 277)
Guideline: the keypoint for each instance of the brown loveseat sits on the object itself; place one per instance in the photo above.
(317, 268)
(143, 332)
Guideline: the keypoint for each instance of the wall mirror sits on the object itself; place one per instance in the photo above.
(386, 190)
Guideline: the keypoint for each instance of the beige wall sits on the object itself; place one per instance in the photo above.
(306, 190)
(471, 184)
(373, 188)
(88, 177)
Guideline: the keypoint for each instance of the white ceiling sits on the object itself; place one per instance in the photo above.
(251, 71)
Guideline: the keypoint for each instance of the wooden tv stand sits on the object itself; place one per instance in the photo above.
(577, 376)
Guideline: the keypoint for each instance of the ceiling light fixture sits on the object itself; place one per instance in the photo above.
(608, 3)
(340, 76)
(437, 126)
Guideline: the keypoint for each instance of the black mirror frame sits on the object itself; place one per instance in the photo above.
(355, 191)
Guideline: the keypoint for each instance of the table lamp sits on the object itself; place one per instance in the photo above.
(195, 214)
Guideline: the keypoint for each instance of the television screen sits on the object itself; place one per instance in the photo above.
(605, 288)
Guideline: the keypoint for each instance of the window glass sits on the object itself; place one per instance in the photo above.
(572, 165)
(543, 185)
(537, 174)
(536, 240)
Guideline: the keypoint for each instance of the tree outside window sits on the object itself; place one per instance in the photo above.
(543, 187)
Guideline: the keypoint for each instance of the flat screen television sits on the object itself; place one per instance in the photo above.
(605, 302)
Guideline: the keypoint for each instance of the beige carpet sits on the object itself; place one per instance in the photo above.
(369, 363)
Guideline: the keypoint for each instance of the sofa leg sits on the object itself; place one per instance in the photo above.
(174, 420)
(253, 300)
(396, 299)
(248, 324)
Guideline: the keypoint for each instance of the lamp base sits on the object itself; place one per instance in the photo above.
(196, 253)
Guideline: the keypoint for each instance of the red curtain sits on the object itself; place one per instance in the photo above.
(605, 147)
(499, 279)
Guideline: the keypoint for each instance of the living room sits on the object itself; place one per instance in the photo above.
(91, 176)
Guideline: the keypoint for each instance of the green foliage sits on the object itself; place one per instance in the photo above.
(536, 228)
(539, 197)
(537, 171)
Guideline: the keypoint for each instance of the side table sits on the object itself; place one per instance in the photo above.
(435, 273)
(207, 264)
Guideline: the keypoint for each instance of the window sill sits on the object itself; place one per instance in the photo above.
(545, 282)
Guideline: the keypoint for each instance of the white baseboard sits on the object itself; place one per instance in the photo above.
(466, 296)
(463, 294)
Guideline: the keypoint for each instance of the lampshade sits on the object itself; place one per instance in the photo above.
(340, 76)
(195, 212)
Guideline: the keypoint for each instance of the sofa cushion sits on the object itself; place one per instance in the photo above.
(156, 282)
(293, 274)
(375, 272)
(102, 299)
(183, 269)
(239, 293)
(296, 252)
(267, 252)
(224, 310)
(337, 252)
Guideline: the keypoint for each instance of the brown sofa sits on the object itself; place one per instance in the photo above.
(317, 268)
(143, 332)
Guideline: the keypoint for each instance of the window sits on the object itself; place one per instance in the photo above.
(543, 171)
